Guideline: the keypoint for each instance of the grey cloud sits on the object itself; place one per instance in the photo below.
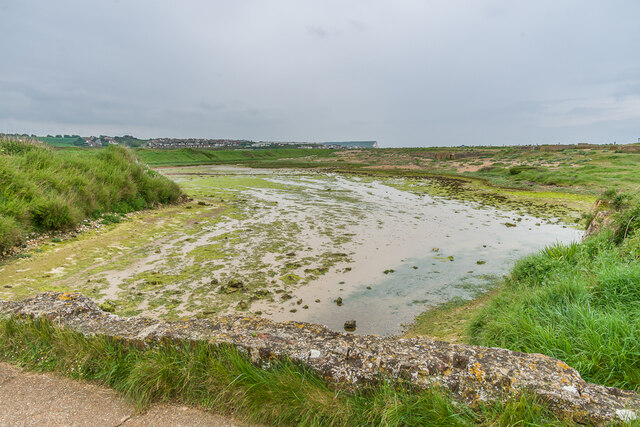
(405, 73)
(317, 31)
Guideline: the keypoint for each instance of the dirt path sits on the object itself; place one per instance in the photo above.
(35, 399)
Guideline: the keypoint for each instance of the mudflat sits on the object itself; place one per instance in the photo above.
(297, 245)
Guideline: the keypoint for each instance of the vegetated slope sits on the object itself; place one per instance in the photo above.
(579, 303)
(43, 189)
(190, 156)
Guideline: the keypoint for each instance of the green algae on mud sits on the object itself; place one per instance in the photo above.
(175, 262)
(544, 204)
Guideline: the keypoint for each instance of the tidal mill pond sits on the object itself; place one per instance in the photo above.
(297, 245)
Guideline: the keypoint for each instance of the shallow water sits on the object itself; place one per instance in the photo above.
(390, 248)
(433, 244)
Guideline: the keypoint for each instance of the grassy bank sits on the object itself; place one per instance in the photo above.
(579, 303)
(48, 190)
(221, 379)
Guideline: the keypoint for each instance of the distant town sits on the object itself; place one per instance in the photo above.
(245, 144)
(199, 143)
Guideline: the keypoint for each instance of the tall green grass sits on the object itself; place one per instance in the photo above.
(42, 189)
(577, 302)
(220, 378)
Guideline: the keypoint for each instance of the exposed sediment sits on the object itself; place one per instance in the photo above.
(471, 373)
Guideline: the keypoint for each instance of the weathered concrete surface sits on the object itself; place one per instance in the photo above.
(471, 373)
(36, 399)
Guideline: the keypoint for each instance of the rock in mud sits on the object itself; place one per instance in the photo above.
(472, 374)
(108, 306)
(236, 284)
(350, 325)
(262, 293)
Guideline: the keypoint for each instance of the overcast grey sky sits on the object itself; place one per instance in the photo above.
(405, 73)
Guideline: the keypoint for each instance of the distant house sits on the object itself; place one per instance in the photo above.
(351, 144)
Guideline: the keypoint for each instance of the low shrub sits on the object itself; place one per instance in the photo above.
(10, 233)
(110, 219)
(52, 214)
(515, 170)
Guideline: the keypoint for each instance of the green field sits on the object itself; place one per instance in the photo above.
(62, 141)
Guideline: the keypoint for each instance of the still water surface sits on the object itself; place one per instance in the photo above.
(408, 251)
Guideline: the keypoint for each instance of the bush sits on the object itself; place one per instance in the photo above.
(110, 219)
(515, 170)
(627, 222)
(52, 214)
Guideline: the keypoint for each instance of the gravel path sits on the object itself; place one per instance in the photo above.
(35, 399)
